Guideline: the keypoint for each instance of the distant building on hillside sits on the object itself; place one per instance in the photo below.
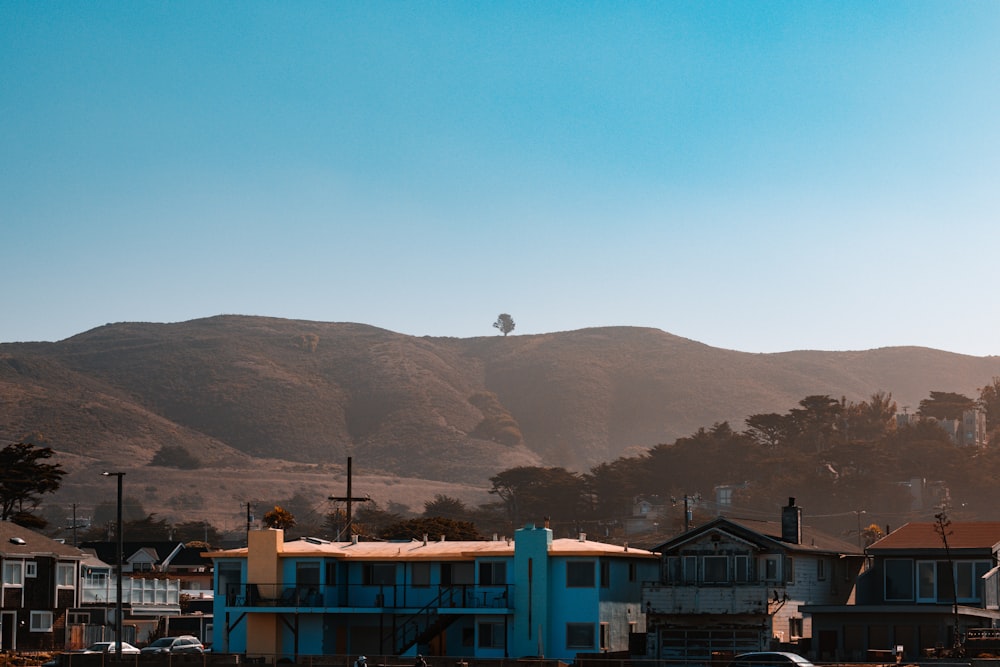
(969, 431)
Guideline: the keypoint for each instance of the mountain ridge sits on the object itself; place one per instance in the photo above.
(237, 390)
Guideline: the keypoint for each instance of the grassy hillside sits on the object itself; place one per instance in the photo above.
(252, 393)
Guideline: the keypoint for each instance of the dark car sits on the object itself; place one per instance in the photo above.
(770, 659)
(182, 644)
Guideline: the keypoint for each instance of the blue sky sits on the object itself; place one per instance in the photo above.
(759, 176)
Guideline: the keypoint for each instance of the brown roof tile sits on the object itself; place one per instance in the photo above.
(923, 535)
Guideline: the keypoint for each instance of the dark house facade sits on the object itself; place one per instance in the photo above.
(916, 594)
(39, 583)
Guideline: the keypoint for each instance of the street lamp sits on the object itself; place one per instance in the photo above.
(121, 548)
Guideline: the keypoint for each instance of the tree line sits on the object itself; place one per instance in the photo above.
(834, 455)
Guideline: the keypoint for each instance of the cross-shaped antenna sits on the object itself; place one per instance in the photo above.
(349, 499)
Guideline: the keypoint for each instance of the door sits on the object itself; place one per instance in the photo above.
(8, 630)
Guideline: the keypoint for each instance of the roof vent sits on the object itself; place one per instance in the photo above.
(17, 540)
(583, 537)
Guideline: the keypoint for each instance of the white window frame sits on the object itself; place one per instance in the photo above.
(41, 621)
(30, 569)
(62, 580)
(10, 567)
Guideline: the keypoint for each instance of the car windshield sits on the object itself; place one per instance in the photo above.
(99, 646)
(165, 641)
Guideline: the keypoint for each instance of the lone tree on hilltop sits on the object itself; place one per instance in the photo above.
(24, 477)
(504, 323)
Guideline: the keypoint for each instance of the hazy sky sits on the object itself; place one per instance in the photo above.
(760, 176)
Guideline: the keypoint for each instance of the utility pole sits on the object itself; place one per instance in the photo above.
(349, 500)
(249, 506)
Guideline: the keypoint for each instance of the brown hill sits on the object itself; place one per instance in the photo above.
(235, 391)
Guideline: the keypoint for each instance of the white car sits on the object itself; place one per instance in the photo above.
(770, 659)
(110, 647)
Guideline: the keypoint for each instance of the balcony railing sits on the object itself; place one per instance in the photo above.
(754, 598)
(373, 596)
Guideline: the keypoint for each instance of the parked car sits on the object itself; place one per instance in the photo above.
(109, 647)
(182, 644)
(770, 659)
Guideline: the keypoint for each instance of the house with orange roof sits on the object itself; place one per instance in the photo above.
(927, 585)
(531, 595)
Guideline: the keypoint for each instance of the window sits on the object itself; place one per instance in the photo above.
(771, 569)
(604, 637)
(716, 569)
(492, 573)
(307, 574)
(41, 621)
(741, 567)
(420, 574)
(898, 579)
(77, 617)
(65, 575)
(795, 627)
(331, 572)
(580, 635)
(491, 635)
(672, 570)
(30, 569)
(379, 574)
(229, 575)
(605, 573)
(789, 566)
(926, 581)
(690, 569)
(580, 574)
(821, 569)
(13, 573)
(456, 574)
(633, 571)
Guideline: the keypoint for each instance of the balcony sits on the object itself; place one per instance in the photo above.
(391, 597)
(751, 598)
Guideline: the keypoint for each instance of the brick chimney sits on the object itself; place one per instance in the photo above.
(791, 523)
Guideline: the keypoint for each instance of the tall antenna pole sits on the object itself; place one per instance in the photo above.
(349, 499)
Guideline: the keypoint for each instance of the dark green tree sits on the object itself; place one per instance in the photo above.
(535, 493)
(175, 456)
(505, 323)
(769, 429)
(945, 405)
(369, 519)
(989, 401)
(147, 528)
(447, 507)
(871, 419)
(430, 527)
(196, 531)
(25, 477)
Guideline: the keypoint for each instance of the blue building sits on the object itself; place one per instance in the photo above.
(529, 596)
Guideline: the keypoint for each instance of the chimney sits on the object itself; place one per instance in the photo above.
(791, 523)
(425, 539)
(583, 537)
(354, 539)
